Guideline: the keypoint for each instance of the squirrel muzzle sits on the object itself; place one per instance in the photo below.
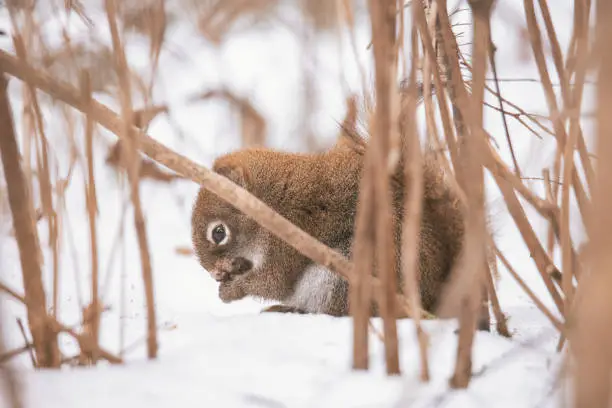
(225, 269)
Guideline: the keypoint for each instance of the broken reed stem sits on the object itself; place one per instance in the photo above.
(591, 331)
(219, 185)
(131, 151)
(383, 16)
(22, 208)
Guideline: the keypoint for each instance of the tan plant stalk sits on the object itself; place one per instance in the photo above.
(413, 177)
(131, 153)
(591, 324)
(471, 156)
(44, 337)
(92, 213)
(383, 16)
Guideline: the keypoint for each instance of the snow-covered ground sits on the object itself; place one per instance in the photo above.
(213, 354)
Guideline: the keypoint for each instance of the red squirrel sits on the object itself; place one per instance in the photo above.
(318, 192)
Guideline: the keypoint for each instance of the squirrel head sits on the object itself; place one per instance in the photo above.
(226, 241)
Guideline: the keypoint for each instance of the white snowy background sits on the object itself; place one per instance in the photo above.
(219, 355)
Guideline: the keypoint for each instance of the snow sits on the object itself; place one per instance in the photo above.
(234, 361)
(230, 355)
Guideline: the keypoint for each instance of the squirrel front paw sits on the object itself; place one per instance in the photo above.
(230, 291)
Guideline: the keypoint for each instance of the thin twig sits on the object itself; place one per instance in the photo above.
(492, 49)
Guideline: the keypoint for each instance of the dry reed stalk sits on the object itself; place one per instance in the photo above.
(360, 288)
(492, 49)
(428, 44)
(572, 101)
(10, 354)
(432, 128)
(572, 97)
(413, 177)
(555, 322)
(471, 156)
(555, 114)
(13, 398)
(118, 243)
(520, 112)
(131, 145)
(448, 55)
(550, 237)
(87, 345)
(73, 253)
(27, 342)
(383, 16)
(42, 150)
(147, 168)
(93, 319)
(44, 338)
(545, 208)
(543, 262)
(500, 317)
(591, 334)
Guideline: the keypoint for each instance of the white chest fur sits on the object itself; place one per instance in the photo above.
(314, 290)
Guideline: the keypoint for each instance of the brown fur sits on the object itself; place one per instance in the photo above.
(317, 192)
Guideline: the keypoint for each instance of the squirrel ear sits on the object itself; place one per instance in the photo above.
(237, 174)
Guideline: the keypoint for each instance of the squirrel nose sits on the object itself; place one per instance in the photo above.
(219, 275)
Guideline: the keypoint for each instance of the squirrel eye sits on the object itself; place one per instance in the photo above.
(217, 233)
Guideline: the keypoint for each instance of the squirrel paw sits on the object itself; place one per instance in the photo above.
(283, 309)
(230, 291)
